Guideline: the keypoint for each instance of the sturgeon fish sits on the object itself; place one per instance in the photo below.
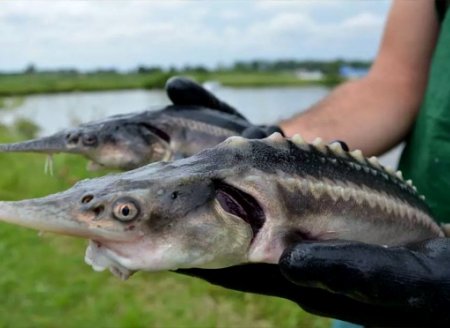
(239, 202)
(196, 120)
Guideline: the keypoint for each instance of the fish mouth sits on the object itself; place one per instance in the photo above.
(240, 204)
(100, 258)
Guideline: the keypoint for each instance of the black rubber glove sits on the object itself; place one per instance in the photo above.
(356, 282)
(184, 91)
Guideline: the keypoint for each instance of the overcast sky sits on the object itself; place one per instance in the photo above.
(124, 34)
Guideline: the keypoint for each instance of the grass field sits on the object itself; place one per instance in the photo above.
(45, 283)
(22, 84)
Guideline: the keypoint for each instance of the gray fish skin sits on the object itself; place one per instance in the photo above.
(128, 141)
(241, 201)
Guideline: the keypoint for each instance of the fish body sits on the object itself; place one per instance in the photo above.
(189, 129)
(239, 202)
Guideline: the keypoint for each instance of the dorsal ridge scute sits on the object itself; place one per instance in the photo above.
(369, 165)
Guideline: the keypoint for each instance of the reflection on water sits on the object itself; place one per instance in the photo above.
(260, 105)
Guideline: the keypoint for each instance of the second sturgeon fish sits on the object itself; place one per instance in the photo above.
(196, 120)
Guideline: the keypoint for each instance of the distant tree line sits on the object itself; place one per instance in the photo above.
(326, 67)
(329, 68)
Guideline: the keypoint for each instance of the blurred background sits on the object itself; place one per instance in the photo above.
(67, 62)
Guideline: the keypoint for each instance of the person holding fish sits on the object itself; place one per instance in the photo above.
(156, 217)
(405, 97)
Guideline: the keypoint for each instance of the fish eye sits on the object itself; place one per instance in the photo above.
(125, 210)
(89, 139)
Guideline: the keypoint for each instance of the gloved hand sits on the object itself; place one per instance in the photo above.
(183, 91)
(365, 284)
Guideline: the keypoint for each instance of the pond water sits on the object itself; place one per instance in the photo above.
(57, 111)
(261, 105)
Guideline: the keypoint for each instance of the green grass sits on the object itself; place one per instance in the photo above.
(23, 84)
(45, 283)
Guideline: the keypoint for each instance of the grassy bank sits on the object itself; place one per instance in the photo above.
(45, 283)
(23, 84)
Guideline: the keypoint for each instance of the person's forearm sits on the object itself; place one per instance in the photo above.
(376, 112)
(369, 114)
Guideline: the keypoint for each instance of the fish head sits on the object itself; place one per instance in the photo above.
(158, 217)
(120, 144)
(116, 143)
